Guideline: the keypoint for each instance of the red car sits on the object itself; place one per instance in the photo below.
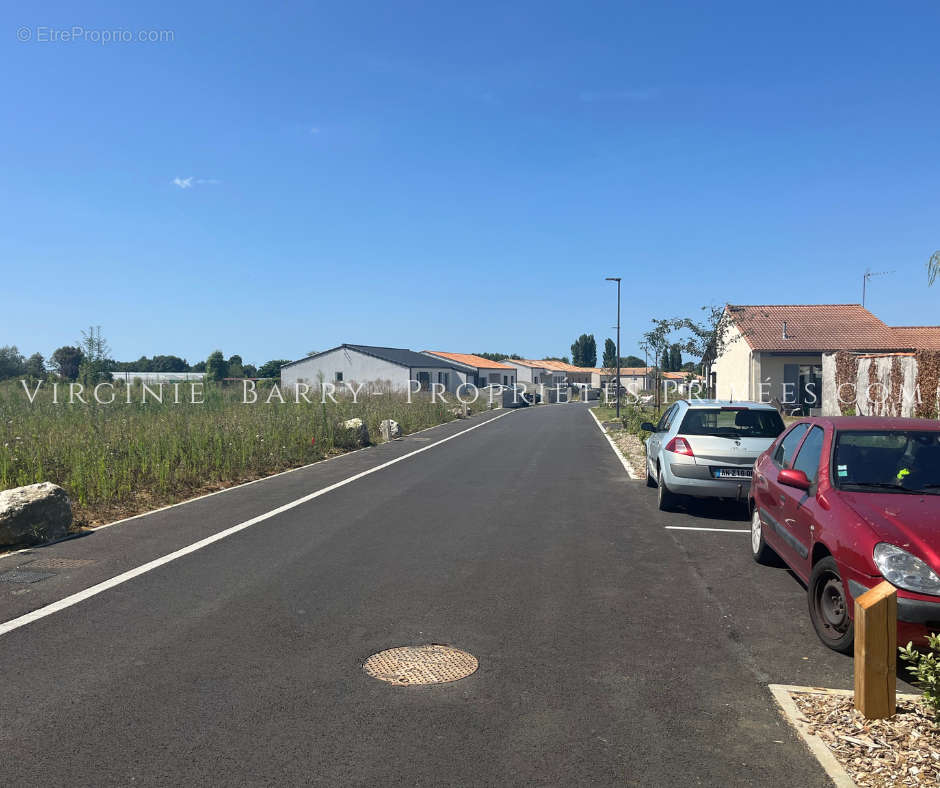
(850, 501)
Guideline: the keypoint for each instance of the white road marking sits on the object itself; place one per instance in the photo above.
(626, 465)
(80, 596)
(716, 530)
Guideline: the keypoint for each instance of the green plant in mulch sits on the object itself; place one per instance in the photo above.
(925, 669)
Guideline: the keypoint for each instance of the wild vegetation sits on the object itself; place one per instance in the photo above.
(120, 458)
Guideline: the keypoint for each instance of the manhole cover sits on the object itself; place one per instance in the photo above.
(431, 664)
(24, 576)
(58, 563)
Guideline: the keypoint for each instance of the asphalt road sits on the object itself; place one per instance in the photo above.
(611, 650)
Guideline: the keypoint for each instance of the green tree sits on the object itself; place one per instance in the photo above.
(610, 354)
(94, 366)
(632, 361)
(199, 366)
(66, 361)
(272, 368)
(657, 340)
(675, 357)
(494, 356)
(563, 359)
(216, 366)
(168, 364)
(12, 363)
(664, 362)
(36, 366)
(250, 371)
(584, 351)
(235, 367)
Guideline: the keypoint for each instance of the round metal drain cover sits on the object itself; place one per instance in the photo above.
(431, 664)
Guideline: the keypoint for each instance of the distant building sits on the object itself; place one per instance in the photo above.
(158, 377)
(775, 351)
(479, 371)
(371, 364)
(536, 372)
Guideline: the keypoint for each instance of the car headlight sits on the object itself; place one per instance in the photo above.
(904, 570)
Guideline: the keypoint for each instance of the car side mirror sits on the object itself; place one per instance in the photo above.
(794, 478)
(648, 427)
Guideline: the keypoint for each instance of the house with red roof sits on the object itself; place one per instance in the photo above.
(479, 371)
(774, 351)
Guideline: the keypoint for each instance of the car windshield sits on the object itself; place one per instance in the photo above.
(900, 461)
(731, 422)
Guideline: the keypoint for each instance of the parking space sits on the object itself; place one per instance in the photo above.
(763, 608)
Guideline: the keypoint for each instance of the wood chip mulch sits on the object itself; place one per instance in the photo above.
(900, 751)
(632, 448)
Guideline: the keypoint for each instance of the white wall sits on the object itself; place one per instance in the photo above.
(356, 367)
(733, 368)
(526, 374)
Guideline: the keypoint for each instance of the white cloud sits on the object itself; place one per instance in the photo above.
(188, 183)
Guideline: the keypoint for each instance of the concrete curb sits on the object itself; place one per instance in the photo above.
(781, 692)
(626, 463)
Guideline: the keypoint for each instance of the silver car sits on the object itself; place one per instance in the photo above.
(706, 448)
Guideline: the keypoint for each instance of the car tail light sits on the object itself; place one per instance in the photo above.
(680, 446)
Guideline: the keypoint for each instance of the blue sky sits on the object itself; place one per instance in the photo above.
(459, 176)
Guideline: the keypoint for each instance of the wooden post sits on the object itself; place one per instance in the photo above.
(876, 648)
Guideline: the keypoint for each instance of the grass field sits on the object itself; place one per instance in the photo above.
(119, 459)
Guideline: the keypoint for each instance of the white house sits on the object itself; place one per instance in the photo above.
(775, 351)
(633, 379)
(356, 364)
(571, 374)
(534, 372)
(478, 370)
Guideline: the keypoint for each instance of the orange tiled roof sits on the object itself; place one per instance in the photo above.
(918, 337)
(813, 327)
(526, 362)
(628, 371)
(470, 360)
(561, 366)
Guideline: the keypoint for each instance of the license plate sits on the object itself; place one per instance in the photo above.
(733, 473)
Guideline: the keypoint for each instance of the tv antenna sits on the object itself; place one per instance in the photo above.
(868, 275)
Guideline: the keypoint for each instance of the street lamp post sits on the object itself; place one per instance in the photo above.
(617, 280)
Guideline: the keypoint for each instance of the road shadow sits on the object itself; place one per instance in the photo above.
(715, 509)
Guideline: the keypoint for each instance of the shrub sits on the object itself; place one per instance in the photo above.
(925, 669)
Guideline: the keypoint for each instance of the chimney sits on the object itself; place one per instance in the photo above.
(785, 335)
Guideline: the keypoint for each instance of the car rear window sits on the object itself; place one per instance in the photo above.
(732, 422)
(887, 461)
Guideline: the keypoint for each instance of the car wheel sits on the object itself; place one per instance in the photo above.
(667, 500)
(829, 607)
(760, 550)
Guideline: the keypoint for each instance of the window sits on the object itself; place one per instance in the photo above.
(732, 422)
(505, 380)
(784, 453)
(887, 461)
(666, 419)
(339, 377)
(810, 452)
